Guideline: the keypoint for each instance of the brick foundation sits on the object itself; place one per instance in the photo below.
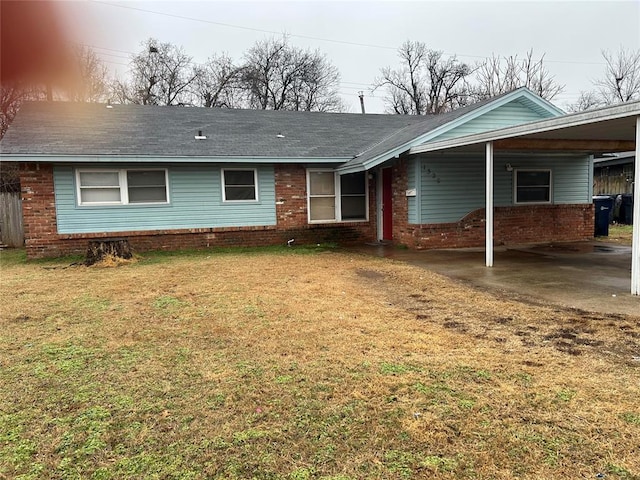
(42, 239)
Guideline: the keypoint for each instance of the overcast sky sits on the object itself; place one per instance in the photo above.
(361, 37)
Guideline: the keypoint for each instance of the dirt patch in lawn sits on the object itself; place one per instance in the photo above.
(297, 365)
(479, 314)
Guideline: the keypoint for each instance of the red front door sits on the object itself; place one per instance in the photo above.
(387, 205)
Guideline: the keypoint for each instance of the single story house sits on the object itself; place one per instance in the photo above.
(502, 171)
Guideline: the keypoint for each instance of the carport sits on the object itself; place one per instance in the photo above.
(610, 129)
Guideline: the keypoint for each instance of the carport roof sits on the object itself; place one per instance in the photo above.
(608, 129)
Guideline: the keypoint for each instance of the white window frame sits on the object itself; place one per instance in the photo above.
(122, 184)
(515, 186)
(337, 194)
(255, 184)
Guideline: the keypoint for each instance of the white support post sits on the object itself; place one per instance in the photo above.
(489, 205)
(635, 248)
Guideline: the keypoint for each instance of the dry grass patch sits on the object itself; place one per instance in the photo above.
(620, 234)
(281, 365)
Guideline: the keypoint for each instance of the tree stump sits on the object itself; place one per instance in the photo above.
(108, 247)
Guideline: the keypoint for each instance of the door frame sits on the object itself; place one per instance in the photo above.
(379, 198)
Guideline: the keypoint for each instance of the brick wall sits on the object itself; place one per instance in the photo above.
(42, 239)
(400, 201)
(512, 225)
(38, 208)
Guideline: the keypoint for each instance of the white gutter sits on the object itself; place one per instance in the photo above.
(165, 159)
(624, 110)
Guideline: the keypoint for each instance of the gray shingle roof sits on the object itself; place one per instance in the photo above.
(60, 128)
(64, 129)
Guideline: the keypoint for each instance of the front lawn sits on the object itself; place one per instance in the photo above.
(291, 364)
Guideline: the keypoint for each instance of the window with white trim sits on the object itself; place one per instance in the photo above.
(239, 185)
(532, 186)
(336, 198)
(121, 187)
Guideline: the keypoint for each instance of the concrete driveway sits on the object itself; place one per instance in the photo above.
(592, 276)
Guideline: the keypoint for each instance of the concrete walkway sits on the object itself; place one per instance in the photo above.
(590, 276)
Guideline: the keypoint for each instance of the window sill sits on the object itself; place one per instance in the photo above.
(336, 222)
(116, 205)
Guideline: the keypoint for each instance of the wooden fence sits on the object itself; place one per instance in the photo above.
(11, 229)
(606, 185)
(613, 180)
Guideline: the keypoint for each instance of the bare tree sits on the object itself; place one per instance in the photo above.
(87, 82)
(12, 94)
(426, 81)
(586, 101)
(407, 86)
(499, 75)
(278, 76)
(316, 88)
(161, 74)
(122, 91)
(217, 83)
(621, 82)
(91, 79)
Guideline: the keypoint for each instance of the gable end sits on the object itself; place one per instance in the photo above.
(515, 112)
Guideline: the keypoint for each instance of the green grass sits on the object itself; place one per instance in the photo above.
(12, 257)
(159, 256)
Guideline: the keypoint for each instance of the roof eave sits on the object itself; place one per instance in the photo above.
(556, 123)
(51, 158)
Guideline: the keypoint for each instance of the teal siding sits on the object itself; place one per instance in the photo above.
(195, 201)
(453, 187)
(512, 113)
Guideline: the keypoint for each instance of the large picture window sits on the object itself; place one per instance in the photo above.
(336, 198)
(121, 187)
(239, 185)
(532, 186)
